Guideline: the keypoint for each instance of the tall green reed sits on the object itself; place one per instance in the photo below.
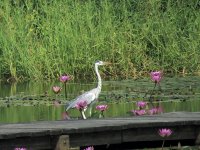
(43, 39)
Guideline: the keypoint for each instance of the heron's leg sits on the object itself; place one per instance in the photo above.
(83, 114)
(90, 110)
(91, 107)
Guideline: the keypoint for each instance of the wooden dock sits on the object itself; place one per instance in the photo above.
(64, 135)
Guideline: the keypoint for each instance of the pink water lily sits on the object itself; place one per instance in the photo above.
(17, 148)
(64, 78)
(155, 110)
(165, 132)
(156, 76)
(138, 112)
(81, 105)
(56, 89)
(89, 148)
(102, 107)
(152, 111)
(141, 104)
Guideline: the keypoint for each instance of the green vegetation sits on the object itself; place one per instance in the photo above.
(43, 39)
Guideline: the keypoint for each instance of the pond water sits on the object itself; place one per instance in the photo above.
(33, 101)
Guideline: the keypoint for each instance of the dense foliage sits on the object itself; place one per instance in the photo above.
(43, 39)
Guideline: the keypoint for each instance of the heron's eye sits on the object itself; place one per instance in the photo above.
(98, 61)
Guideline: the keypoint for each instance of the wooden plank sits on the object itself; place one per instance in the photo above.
(63, 143)
(149, 134)
(95, 138)
(197, 141)
(36, 143)
(45, 134)
(14, 133)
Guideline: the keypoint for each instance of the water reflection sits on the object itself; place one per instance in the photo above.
(15, 114)
(33, 101)
(40, 88)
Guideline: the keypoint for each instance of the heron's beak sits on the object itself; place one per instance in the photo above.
(107, 63)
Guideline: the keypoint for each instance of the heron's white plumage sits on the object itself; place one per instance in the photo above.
(91, 95)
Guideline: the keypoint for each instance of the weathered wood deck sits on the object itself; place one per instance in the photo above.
(46, 134)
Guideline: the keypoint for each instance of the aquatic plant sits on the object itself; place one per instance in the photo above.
(17, 148)
(141, 108)
(142, 35)
(102, 108)
(155, 110)
(89, 148)
(144, 109)
(156, 76)
(56, 89)
(141, 104)
(139, 112)
(82, 106)
(164, 133)
(64, 79)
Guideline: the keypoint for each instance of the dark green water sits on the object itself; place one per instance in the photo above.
(25, 102)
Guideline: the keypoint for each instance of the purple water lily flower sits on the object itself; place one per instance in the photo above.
(56, 89)
(152, 111)
(156, 76)
(138, 112)
(64, 78)
(141, 104)
(102, 107)
(164, 132)
(81, 105)
(17, 148)
(89, 148)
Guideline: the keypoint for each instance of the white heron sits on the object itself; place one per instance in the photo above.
(89, 96)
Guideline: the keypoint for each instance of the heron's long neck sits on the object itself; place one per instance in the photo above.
(98, 77)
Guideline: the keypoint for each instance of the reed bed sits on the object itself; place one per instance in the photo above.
(44, 39)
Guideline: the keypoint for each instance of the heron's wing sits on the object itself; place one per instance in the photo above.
(87, 96)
